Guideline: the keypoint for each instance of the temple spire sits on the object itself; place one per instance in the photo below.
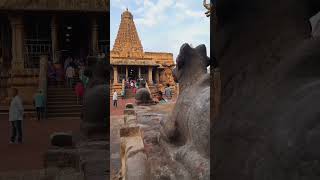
(127, 41)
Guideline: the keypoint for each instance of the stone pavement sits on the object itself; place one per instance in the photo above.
(29, 155)
(115, 111)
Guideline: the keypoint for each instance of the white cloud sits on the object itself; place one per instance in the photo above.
(164, 25)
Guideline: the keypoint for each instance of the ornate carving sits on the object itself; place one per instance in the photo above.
(166, 77)
(209, 7)
(128, 43)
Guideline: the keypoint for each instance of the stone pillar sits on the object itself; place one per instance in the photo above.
(54, 39)
(94, 36)
(150, 75)
(17, 42)
(127, 73)
(139, 75)
(115, 75)
(157, 76)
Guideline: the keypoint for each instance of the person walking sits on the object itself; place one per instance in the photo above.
(168, 92)
(79, 89)
(70, 75)
(39, 103)
(16, 111)
(115, 98)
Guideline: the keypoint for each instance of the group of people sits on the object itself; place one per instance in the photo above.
(160, 98)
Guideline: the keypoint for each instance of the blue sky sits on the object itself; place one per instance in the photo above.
(164, 25)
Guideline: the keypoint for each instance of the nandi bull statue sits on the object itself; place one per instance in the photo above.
(188, 127)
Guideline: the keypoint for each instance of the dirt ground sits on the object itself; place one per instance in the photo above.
(36, 139)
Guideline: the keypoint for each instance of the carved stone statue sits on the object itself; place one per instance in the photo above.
(189, 124)
(96, 111)
(166, 77)
(143, 96)
(209, 7)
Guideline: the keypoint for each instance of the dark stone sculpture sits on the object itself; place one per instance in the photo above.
(96, 103)
(143, 96)
(188, 127)
(269, 65)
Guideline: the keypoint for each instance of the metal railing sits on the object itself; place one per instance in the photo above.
(34, 48)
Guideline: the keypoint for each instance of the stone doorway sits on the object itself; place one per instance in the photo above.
(74, 37)
(133, 72)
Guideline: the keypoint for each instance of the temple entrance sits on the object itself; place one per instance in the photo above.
(74, 37)
(133, 72)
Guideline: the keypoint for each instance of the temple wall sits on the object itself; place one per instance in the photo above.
(70, 5)
(160, 58)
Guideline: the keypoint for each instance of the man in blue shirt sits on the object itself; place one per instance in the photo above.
(39, 102)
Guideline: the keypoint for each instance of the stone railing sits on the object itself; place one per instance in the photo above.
(43, 80)
(132, 153)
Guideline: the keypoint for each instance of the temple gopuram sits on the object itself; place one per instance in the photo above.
(51, 30)
(130, 62)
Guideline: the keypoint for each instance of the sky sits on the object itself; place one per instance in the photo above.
(164, 25)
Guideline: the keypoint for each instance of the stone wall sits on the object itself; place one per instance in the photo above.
(62, 5)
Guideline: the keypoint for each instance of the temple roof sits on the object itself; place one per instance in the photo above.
(56, 5)
(127, 40)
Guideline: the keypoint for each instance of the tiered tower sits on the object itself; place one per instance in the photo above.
(127, 43)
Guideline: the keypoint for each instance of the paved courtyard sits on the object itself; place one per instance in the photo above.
(36, 139)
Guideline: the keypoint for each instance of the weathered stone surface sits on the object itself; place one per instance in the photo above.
(161, 164)
(61, 158)
(133, 157)
(129, 106)
(190, 130)
(61, 139)
(270, 79)
(96, 109)
(143, 96)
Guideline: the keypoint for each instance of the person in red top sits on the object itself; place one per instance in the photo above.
(79, 88)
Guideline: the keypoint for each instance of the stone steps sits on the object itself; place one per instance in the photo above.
(62, 103)
(64, 114)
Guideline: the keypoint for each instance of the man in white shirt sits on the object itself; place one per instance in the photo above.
(115, 98)
(70, 74)
(15, 117)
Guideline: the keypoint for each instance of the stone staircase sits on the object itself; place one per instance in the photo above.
(129, 93)
(62, 103)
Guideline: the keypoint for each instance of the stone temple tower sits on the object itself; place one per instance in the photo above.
(127, 42)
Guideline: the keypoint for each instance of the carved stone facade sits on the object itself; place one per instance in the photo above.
(130, 62)
(70, 5)
(21, 47)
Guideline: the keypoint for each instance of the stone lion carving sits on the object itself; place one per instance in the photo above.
(189, 124)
